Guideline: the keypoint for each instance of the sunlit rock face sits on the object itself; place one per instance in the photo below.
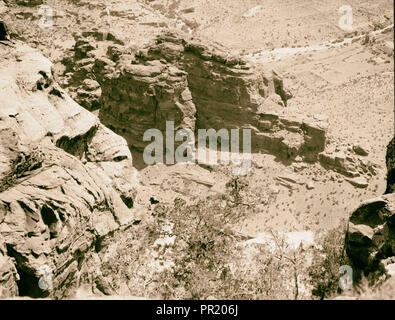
(66, 180)
(370, 241)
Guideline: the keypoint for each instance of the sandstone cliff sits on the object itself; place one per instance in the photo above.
(370, 240)
(199, 84)
(66, 180)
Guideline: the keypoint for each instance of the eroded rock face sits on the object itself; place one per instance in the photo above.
(66, 181)
(210, 89)
(390, 160)
(345, 160)
(194, 84)
(140, 97)
(290, 133)
(29, 3)
(370, 240)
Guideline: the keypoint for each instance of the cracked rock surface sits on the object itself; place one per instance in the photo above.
(67, 181)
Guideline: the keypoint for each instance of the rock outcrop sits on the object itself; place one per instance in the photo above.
(289, 133)
(66, 181)
(370, 240)
(390, 161)
(194, 84)
(199, 86)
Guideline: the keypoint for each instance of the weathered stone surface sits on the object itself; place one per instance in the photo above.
(370, 236)
(3, 31)
(310, 185)
(186, 181)
(29, 3)
(291, 134)
(134, 102)
(66, 181)
(370, 240)
(8, 273)
(89, 94)
(360, 233)
(390, 160)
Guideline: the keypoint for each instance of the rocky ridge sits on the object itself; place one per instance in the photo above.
(161, 74)
(185, 81)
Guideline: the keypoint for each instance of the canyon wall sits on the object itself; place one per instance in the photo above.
(195, 84)
(67, 181)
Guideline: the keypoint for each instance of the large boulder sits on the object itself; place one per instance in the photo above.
(390, 160)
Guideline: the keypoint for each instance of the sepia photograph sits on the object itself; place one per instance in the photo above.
(197, 150)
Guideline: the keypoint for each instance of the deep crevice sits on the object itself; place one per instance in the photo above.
(28, 283)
